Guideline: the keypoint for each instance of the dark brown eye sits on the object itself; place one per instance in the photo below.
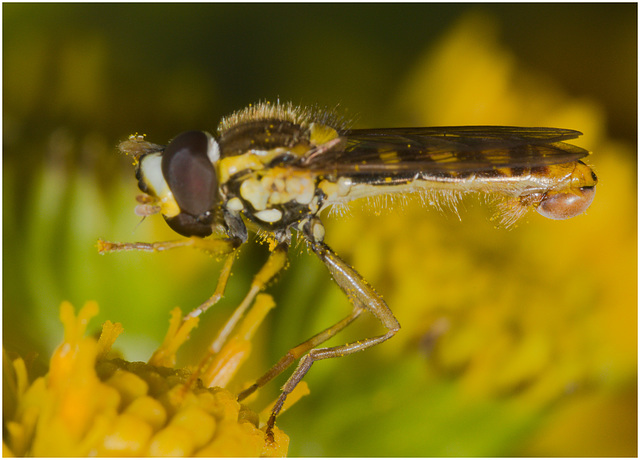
(188, 225)
(188, 169)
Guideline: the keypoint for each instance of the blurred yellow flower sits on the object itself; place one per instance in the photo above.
(538, 322)
(520, 342)
(94, 404)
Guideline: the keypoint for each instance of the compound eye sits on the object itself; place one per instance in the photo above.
(188, 225)
(564, 205)
(188, 169)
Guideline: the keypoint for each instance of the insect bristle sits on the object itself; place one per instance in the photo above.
(266, 237)
(299, 245)
(508, 211)
(449, 201)
(443, 201)
(340, 210)
(303, 116)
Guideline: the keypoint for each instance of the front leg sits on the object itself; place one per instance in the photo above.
(217, 247)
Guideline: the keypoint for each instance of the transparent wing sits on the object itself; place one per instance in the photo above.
(446, 149)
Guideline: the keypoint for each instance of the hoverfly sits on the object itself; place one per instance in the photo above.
(276, 167)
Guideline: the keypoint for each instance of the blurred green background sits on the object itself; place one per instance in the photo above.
(519, 342)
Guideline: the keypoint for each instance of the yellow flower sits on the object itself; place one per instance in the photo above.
(92, 403)
(532, 331)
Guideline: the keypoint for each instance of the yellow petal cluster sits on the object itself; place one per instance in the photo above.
(93, 404)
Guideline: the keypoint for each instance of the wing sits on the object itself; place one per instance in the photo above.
(445, 149)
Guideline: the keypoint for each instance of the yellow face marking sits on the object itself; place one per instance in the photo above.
(158, 188)
(168, 206)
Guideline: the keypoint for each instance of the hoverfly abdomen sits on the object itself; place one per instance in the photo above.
(574, 198)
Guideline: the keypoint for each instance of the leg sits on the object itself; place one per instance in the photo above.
(360, 294)
(277, 261)
(217, 247)
(298, 351)
(218, 293)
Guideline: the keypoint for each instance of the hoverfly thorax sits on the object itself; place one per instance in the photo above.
(182, 178)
